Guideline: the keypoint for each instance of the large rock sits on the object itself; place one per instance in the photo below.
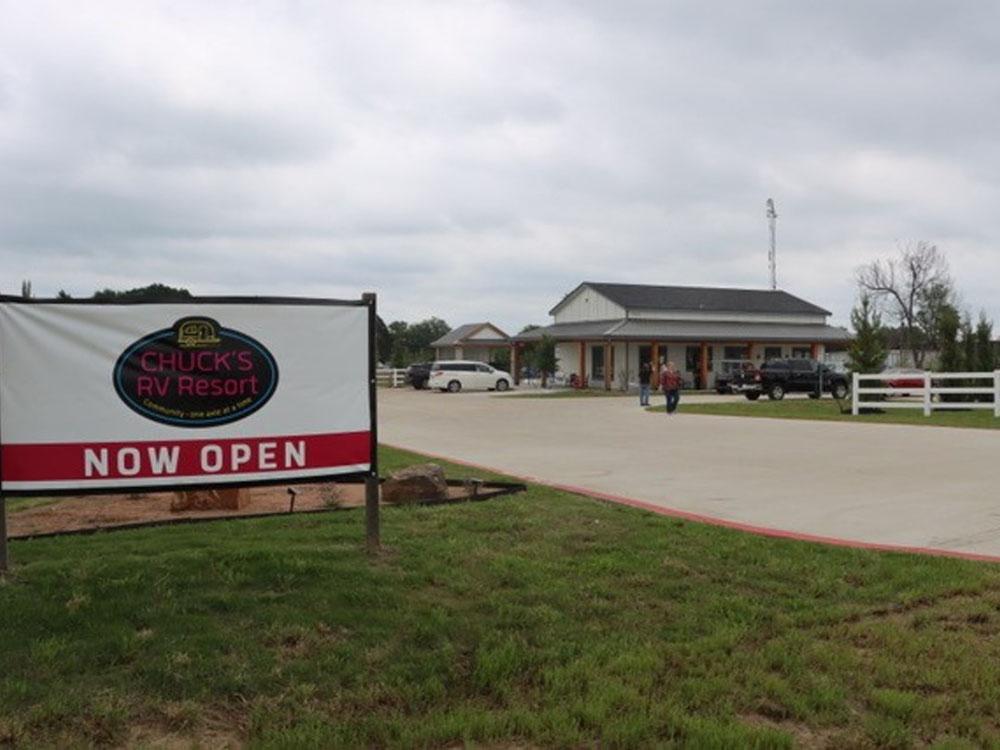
(232, 498)
(414, 483)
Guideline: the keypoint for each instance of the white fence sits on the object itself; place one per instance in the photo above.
(387, 377)
(927, 391)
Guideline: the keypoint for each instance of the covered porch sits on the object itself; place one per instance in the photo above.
(609, 356)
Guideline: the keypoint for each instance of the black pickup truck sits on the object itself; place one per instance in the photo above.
(777, 377)
(418, 374)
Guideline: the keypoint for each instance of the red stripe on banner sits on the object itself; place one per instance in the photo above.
(60, 462)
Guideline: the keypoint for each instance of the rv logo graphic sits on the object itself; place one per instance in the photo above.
(195, 333)
(195, 374)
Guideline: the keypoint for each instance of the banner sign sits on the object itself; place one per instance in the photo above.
(167, 395)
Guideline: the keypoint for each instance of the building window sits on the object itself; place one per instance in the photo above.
(597, 362)
(801, 352)
(734, 352)
(733, 358)
(772, 352)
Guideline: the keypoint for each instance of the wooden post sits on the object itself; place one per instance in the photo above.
(373, 531)
(750, 351)
(3, 535)
(625, 384)
(373, 526)
(515, 364)
(855, 383)
(583, 364)
(654, 380)
(703, 365)
(608, 364)
(927, 392)
(996, 393)
(814, 350)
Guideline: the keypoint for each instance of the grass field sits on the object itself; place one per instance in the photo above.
(541, 619)
(827, 409)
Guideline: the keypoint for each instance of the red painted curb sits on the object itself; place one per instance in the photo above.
(713, 521)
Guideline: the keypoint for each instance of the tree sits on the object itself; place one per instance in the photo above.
(63, 294)
(867, 350)
(910, 284)
(501, 359)
(397, 343)
(545, 358)
(151, 293)
(938, 300)
(420, 336)
(26, 289)
(968, 345)
(383, 340)
(950, 357)
(986, 360)
(411, 342)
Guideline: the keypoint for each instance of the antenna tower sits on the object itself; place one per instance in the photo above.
(772, 257)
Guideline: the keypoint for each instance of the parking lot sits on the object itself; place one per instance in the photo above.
(874, 484)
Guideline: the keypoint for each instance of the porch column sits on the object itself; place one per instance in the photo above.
(703, 365)
(750, 351)
(608, 375)
(582, 375)
(814, 350)
(625, 384)
(515, 362)
(654, 380)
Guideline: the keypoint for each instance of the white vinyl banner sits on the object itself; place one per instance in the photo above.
(104, 396)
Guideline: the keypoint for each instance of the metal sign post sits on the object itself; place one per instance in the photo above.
(372, 523)
(3, 534)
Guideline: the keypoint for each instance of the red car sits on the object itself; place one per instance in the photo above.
(904, 378)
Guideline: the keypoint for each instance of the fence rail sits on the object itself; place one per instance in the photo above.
(388, 377)
(927, 391)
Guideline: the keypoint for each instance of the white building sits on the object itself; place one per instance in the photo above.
(605, 331)
(475, 341)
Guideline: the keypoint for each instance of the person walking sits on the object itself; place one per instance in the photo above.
(670, 381)
(645, 375)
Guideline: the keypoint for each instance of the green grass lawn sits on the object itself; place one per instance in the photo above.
(828, 409)
(541, 619)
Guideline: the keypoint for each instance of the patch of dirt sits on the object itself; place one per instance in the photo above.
(158, 739)
(108, 511)
(804, 736)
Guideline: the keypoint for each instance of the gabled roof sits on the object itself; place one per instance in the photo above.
(699, 299)
(692, 331)
(463, 332)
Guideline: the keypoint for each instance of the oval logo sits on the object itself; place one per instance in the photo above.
(196, 374)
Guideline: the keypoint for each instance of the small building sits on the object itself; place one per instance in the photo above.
(475, 341)
(604, 332)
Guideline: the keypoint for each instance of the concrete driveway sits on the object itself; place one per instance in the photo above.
(894, 485)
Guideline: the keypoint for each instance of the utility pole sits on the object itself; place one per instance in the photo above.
(772, 258)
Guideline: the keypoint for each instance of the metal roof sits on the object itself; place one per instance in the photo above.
(687, 330)
(458, 335)
(699, 299)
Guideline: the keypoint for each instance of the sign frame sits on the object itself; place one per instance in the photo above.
(370, 476)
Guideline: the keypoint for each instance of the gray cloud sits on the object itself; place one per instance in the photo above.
(478, 160)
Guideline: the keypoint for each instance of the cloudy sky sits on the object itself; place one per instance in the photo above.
(476, 160)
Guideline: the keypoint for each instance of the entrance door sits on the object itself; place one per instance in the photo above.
(597, 362)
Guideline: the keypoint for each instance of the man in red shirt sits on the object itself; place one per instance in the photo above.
(670, 382)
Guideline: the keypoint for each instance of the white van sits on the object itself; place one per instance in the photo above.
(455, 374)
